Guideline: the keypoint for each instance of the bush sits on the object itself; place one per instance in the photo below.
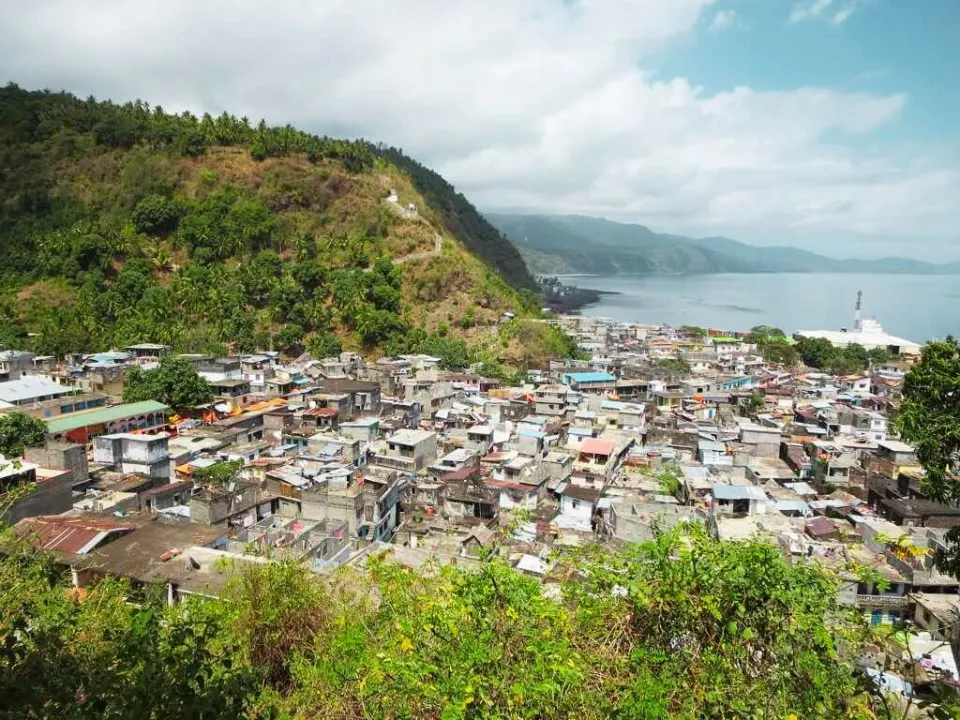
(155, 215)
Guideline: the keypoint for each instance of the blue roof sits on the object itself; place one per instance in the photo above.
(588, 377)
(533, 434)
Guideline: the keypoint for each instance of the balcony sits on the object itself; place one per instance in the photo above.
(882, 601)
(396, 463)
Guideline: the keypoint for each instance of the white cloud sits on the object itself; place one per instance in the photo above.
(723, 19)
(539, 105)
(809, 9)
(836, 12)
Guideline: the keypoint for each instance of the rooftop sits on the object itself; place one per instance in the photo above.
(74, 535)
(589, 377)
(100, 416)
(866, 338)
(410, 437)
(31, 387)
(595, 446)
(738, 492)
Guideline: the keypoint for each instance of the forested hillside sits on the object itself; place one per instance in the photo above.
(125, 223)
(578, 244)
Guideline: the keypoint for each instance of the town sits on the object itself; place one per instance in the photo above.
(332, 460)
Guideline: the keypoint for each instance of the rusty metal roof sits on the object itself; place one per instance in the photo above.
(68, 535)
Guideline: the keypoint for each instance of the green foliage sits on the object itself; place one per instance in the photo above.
(779, 351)
(453, 353)
(692, 331)
(155, 215)
(755, 402)
(540, 341)
(680, 627)
(469, 318)
(174, 382)
(109, 234)
(675, 365)
(760, 334)
(219, 473)
(94, 655)
(823, 355)
(19, 431)
(669, 479)
(717, 629)
(324, 345)
(930, 419)
(290, 335)
(462, 220)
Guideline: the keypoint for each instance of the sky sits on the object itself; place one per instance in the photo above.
(826, 124)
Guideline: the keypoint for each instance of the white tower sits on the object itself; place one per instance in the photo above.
(857, 322)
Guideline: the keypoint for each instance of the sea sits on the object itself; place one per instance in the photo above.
(915, 307)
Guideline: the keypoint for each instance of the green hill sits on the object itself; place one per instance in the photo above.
(125, 223)
(577, 244)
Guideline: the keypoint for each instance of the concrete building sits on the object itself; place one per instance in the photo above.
(408, 450)
(146, 455)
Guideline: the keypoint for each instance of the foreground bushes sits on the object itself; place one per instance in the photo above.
(682, 627)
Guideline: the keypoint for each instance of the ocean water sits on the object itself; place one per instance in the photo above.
(916, 307)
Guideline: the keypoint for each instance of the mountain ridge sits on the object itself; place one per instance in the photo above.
(558, 244)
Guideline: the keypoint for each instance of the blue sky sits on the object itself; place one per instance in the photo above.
(886, 46)
(827, 124)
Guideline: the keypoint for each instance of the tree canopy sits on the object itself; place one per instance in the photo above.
(173, 382)
(822, 354)
(19, 431)
(929, 418)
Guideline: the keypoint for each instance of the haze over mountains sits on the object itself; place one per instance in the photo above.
(553, 244)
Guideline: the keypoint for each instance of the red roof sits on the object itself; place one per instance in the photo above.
(321, 412)
(507, 485)
(461, 474)
(594, 446)
(68, 535)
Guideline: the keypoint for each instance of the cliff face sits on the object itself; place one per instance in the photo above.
(123, 223)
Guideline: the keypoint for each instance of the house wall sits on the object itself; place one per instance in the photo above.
(576, 508)
(61, 456)
(50, 497)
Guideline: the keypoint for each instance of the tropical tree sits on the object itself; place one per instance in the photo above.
(930, 419)
(19, 431)
(174, 382)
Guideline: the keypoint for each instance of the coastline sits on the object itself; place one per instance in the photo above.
(568, 299)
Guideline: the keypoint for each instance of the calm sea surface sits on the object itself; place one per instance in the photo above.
(916, 307)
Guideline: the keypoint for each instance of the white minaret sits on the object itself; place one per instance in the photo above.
(857, 322)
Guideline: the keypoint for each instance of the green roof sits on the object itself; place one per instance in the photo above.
(66, 423)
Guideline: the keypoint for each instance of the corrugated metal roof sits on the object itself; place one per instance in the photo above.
(100, 416)
(588, 377)
(31, 387)
(68, 535)
(737, 492)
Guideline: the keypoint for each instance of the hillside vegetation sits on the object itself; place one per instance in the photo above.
(556, 244)
(125, 223)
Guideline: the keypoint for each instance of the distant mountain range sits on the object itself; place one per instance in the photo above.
(556, 244)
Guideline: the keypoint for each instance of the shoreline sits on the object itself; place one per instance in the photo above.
(568, 299)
